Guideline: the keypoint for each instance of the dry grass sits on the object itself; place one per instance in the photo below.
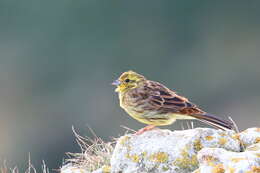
(30, 169)
(95, 153)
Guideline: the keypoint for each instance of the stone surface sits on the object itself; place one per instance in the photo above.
(200, 150)
(168, 151)
(217, 160)
(68, 168)
(249, 136)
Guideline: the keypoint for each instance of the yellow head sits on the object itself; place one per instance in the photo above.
(128, 80)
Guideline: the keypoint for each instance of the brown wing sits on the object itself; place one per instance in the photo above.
(156, 98)
(167, 101)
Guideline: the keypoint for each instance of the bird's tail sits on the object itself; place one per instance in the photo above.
(215, 121)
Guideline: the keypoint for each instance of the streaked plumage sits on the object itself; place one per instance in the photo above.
(152, 103)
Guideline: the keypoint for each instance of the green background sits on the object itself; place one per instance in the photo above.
(58, 58)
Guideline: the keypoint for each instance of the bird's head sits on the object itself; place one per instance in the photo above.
(128, 80)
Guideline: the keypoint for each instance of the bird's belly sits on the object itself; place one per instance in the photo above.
(138, 112)
(150, 117)
(153, 118)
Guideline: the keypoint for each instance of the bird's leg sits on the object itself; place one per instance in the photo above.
(147, 128)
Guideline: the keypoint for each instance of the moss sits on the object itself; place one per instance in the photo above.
(106, 169)
(159, 157)
(222, 141)
(186, 161)
(197, 145)
(218, 169)
(209, 138)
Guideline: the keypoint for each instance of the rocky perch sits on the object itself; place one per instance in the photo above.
(199, 150)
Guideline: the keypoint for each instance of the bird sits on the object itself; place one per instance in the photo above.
(154, 104)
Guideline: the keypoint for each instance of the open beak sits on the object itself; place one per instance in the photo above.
(116, 82)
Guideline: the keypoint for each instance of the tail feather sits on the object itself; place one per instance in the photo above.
(215, 121)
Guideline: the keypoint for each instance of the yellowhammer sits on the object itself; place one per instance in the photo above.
(152, 103)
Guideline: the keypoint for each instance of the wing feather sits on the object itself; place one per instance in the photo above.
(154, 98)
(167, 101)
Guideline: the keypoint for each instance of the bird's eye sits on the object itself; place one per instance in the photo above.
(127, 80)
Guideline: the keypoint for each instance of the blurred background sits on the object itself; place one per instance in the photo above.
(58, 58)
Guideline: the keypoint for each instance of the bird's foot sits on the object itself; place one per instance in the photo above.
(147, 128)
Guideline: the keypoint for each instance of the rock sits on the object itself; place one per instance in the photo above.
(168, 151)
(249, 136)
(100, 170)
(200, 150)
(69, 168)
(217, 160)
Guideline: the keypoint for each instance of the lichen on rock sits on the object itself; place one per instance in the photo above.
(167, 151)
(222, 161)
(250, 136)
(200, 150)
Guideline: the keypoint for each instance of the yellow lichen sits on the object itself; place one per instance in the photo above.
(124, 139)
(212, 164)
(159, 157)
(236, 136)
(256, 169)
(209, 158)
(194, 160)
(197, 171)
(236, 160)
(197, 145)
(218, 169)
(257, 155)
(134, 157)
(222, 134)
(231, 170)
(209, 138)
(257, 140)
(106, 169)
(222, 141)
(186, 161)
(144, 154)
